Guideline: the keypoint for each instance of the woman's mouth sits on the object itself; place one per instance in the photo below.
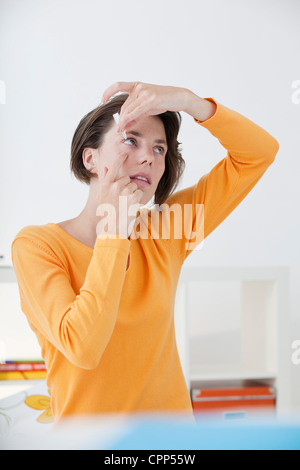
(141, 181)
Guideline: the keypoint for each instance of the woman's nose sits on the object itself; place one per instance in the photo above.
(146, 155)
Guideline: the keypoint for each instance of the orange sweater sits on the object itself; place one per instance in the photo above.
(106, 333)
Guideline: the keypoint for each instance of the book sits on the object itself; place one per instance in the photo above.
(19, 370)
(22, 366)
(35, 375)
(237, 402)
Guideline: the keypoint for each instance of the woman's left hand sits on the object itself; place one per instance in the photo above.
(146, 100)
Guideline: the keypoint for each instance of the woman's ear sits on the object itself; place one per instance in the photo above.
(89, 160)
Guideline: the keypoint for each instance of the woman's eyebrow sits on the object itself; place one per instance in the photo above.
(138, 134)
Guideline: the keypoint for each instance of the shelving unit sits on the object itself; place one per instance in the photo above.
(257, 350)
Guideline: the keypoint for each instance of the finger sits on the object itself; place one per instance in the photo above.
(117, 87)
(132, 116)
(131, 100)
(114, 168)
(129, 187)
(133, 109)
(125, 182)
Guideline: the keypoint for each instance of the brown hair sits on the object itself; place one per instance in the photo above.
(93, 127)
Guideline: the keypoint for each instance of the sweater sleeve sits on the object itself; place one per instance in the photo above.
(250, 151)
(79, 326)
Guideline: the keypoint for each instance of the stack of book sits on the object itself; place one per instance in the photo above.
(233, 402)
(20, 370)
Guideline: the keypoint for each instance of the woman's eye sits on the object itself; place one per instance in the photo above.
(129, 140)
(132, 142)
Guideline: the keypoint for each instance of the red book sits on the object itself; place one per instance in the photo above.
(23, 367)
(231, 401)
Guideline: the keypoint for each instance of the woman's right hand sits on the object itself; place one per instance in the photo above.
(118, 201)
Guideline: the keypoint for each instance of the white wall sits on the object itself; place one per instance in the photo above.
(58, 56)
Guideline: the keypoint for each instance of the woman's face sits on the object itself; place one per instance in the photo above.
(146, 146)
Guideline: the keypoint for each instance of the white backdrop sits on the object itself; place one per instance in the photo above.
(58, 56)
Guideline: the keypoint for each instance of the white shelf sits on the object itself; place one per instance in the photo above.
(230, 375)
(259, 345)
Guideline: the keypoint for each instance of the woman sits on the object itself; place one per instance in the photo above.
(99, 297)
